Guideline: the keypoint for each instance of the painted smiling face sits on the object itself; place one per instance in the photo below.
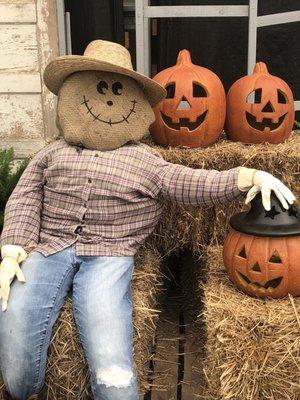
(102, 110)
(193, 113)
(260, 108)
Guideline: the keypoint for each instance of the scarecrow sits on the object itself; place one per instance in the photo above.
(81, 210)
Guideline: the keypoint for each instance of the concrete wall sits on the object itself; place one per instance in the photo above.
(28, 40)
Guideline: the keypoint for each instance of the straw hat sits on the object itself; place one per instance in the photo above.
(100, 55)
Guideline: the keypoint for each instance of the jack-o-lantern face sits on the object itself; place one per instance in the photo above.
(260, 108)
(193, 112)
(263, 266)
(189, 116)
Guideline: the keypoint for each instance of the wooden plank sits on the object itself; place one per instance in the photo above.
(193, 354)
(143, 44)
(297, 105)
(20, 83)
(192, 381)
(281, 18)
(17, 2)
(165, 376)
(195, 11)
(47, 35)
(18, 48)
(23, 147)
(68, 32)
(17, 13)
(252, 35)
(61, 24)
(21, 116)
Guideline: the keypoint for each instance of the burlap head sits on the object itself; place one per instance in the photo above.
(102, 110)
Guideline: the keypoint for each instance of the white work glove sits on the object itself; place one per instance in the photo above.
(12, 255)
(255, 181)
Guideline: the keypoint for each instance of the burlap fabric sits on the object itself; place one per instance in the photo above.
(102, 110)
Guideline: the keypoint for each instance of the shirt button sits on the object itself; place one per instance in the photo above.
(96, 155)
(89, 180)
(79, 147)
(78, 230)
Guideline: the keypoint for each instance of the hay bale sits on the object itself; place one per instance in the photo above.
(222, 216)
(280, 159)
(67, 375)
(253, 345)
(183, 227)
(194, 227)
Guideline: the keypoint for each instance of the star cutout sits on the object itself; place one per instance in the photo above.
(293, 212)
(272, 213)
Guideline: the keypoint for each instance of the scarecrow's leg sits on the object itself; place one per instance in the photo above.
(25, 327)
(103, 312)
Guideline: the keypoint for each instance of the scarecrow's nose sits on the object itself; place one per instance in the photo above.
(110, 103)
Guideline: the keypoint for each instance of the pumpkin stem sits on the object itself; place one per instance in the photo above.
(184, 57)
(260, 68)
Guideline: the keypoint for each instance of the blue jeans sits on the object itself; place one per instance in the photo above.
(103, 312)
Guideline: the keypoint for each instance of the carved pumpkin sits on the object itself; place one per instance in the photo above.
(260, 108)
(193, 112)
(264, 266)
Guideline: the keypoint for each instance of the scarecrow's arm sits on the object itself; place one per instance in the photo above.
(189, 186)
(23, 209)
(185, 185)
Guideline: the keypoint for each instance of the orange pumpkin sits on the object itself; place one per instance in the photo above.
(260, 108)
(263, 266)
(262, 250)
(193, 113)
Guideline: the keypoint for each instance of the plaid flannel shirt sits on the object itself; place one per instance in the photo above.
(106, 202)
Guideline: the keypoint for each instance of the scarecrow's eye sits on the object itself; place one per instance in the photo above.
(102, 87)
(117, 88)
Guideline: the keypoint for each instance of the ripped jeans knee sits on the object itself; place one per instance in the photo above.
(115, 382)
(115, 376)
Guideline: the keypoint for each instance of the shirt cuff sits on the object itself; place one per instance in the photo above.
(245, 178)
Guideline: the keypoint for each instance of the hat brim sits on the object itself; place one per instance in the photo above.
(59, 69)
(241, 222)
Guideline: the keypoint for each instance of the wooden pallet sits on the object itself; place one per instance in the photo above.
(166, 359)
(178, 350)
